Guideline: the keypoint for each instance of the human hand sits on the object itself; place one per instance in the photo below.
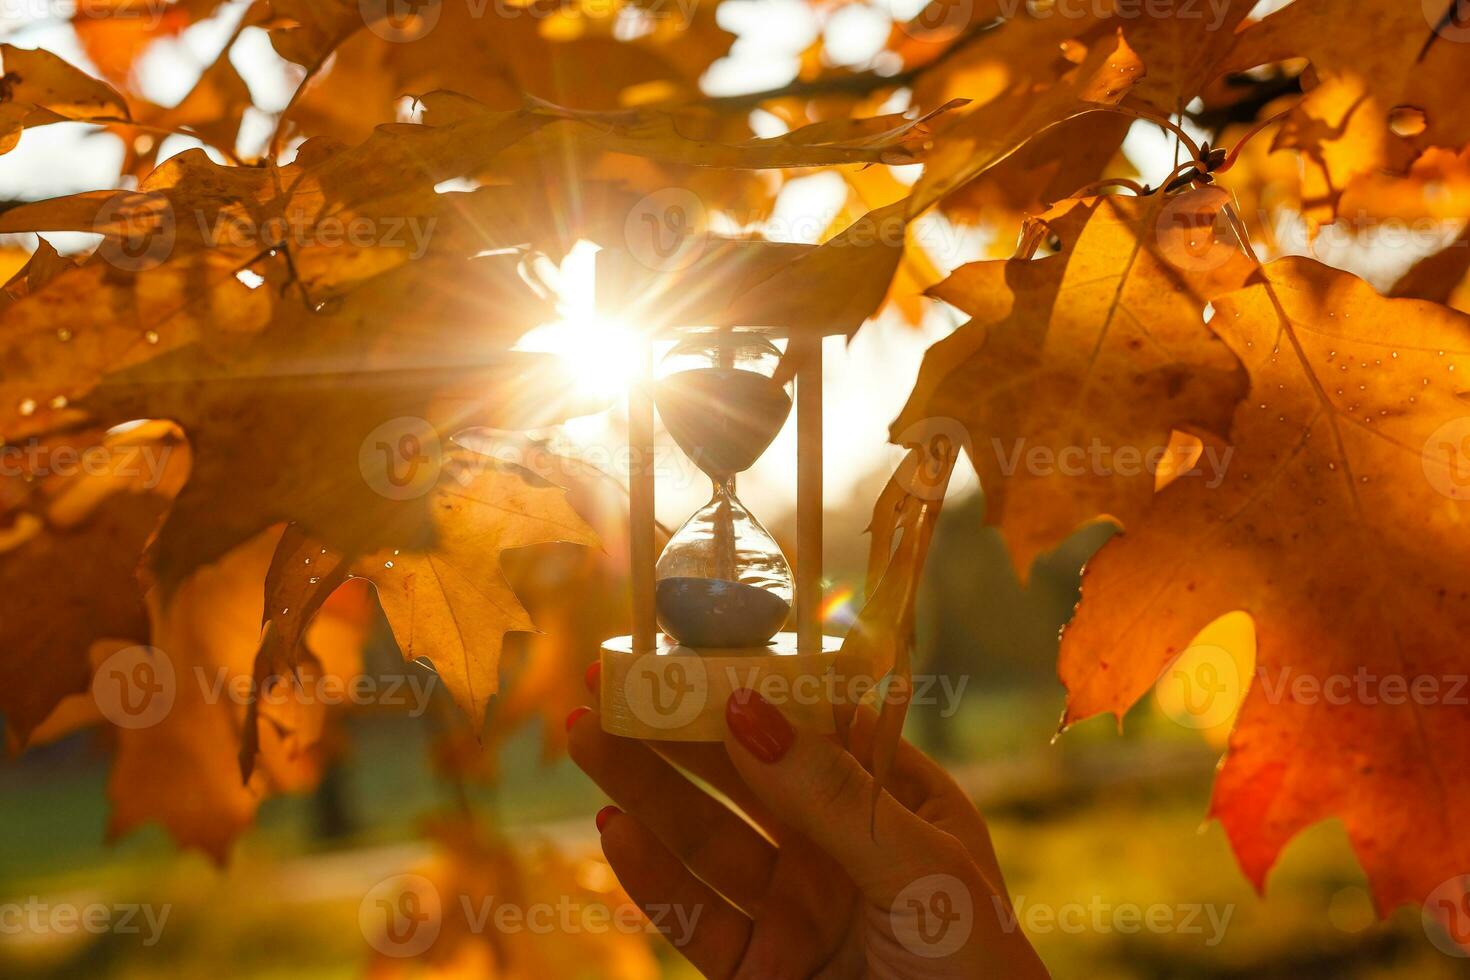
(812, 881)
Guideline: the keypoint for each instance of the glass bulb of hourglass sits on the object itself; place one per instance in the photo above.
(719, 400)
(722, 580)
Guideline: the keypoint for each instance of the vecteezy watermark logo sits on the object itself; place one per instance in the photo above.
(570, 917)
(138, 229)
(400, 21)
(401, 916)
(401, 458)
(1450, 19)
(412, 691)
(667, 230)
(36, 917)
(1193, 233)
(1446, 459)
(135, 687)
(1099, 459)
(940, 21)
(1200, 688)
(666, 692)
(1212, 12)
(942, 692)
(34, 459)
(934, 916)
(1447, 916)
(1362, 687)
(304, 229)
(1102, 917)
(149, 13)
(941, 441)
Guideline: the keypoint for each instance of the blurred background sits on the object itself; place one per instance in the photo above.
(1094, 821)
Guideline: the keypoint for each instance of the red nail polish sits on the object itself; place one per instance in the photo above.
(604, 815)
(758, 726)
(593, 677)
(576, 713)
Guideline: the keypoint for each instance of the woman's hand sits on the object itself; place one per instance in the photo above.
(812, 881)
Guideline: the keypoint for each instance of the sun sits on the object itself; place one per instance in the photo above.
(602, 354)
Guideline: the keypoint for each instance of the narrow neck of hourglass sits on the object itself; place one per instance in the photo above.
(723, 527)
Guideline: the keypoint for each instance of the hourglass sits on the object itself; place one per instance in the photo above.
(710, 612)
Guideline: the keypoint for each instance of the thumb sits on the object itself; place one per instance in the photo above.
(818, 789)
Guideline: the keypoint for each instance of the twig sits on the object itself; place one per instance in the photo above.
(311, 73)
(858, 83)
(1096, 187)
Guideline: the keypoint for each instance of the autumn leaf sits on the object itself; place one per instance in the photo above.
(101, 497)
(1434, 192)
(1348, 481)
(448, 602)
(880, 643)
(38, 88)
(452, 604)
(576, 595)
(1443, 277)
(301, 578)
(115, 33)
(572, 59)
(994, 131)
(1075, 369)
(1382, 89)
(213, 109)
(290, 433)
(175, 765)
(1052, 167)
(27, 272)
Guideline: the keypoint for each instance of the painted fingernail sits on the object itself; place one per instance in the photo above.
(758, 726)
(604, 815)
(576, 713)
(593, 677)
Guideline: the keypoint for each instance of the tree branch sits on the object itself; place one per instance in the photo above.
(856, 83)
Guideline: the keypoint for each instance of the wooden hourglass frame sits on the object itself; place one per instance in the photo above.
(653, 686)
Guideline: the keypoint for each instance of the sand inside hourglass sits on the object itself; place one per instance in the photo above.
(723, 418)
(722, 580)
(716, 613)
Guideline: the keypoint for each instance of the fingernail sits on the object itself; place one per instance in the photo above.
(604, 815)
(758, 726)
(593, 677)
(576, 713)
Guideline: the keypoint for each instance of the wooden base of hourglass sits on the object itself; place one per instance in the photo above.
(676, 693)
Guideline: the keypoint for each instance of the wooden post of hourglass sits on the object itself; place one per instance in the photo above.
(808, 494)
(641, 503)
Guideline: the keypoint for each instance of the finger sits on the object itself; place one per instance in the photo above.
(708, 837)
(696, 921)
(909, 780)
(926, 788)
(709, 762)
(813, 784)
